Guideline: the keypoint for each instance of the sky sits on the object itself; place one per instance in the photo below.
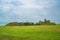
(29, 10)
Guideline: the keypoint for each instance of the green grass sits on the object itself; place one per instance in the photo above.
(43, 32)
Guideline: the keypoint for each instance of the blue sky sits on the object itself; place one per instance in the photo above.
(29, 10)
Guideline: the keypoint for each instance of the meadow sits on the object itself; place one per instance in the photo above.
(42, 32)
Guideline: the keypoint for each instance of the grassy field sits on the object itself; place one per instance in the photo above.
(43, 32)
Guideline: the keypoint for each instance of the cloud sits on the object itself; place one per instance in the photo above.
(37, 3)
(32, 10)
(40, 4)
(20, 6)
(29, 3)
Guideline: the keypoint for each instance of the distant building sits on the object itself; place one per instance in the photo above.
(45, 22)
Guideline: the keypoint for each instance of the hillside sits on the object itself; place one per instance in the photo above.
(43, 32)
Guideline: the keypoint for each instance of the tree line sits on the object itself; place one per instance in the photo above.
(45, 22)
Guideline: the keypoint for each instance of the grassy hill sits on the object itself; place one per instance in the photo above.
(43, 32)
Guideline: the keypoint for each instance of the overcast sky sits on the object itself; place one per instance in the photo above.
(29, 10)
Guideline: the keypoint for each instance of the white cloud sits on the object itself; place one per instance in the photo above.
(32, 3)
(27, 2)
(29, 7)
(37, 3)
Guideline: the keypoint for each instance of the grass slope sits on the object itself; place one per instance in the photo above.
(44, 32)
